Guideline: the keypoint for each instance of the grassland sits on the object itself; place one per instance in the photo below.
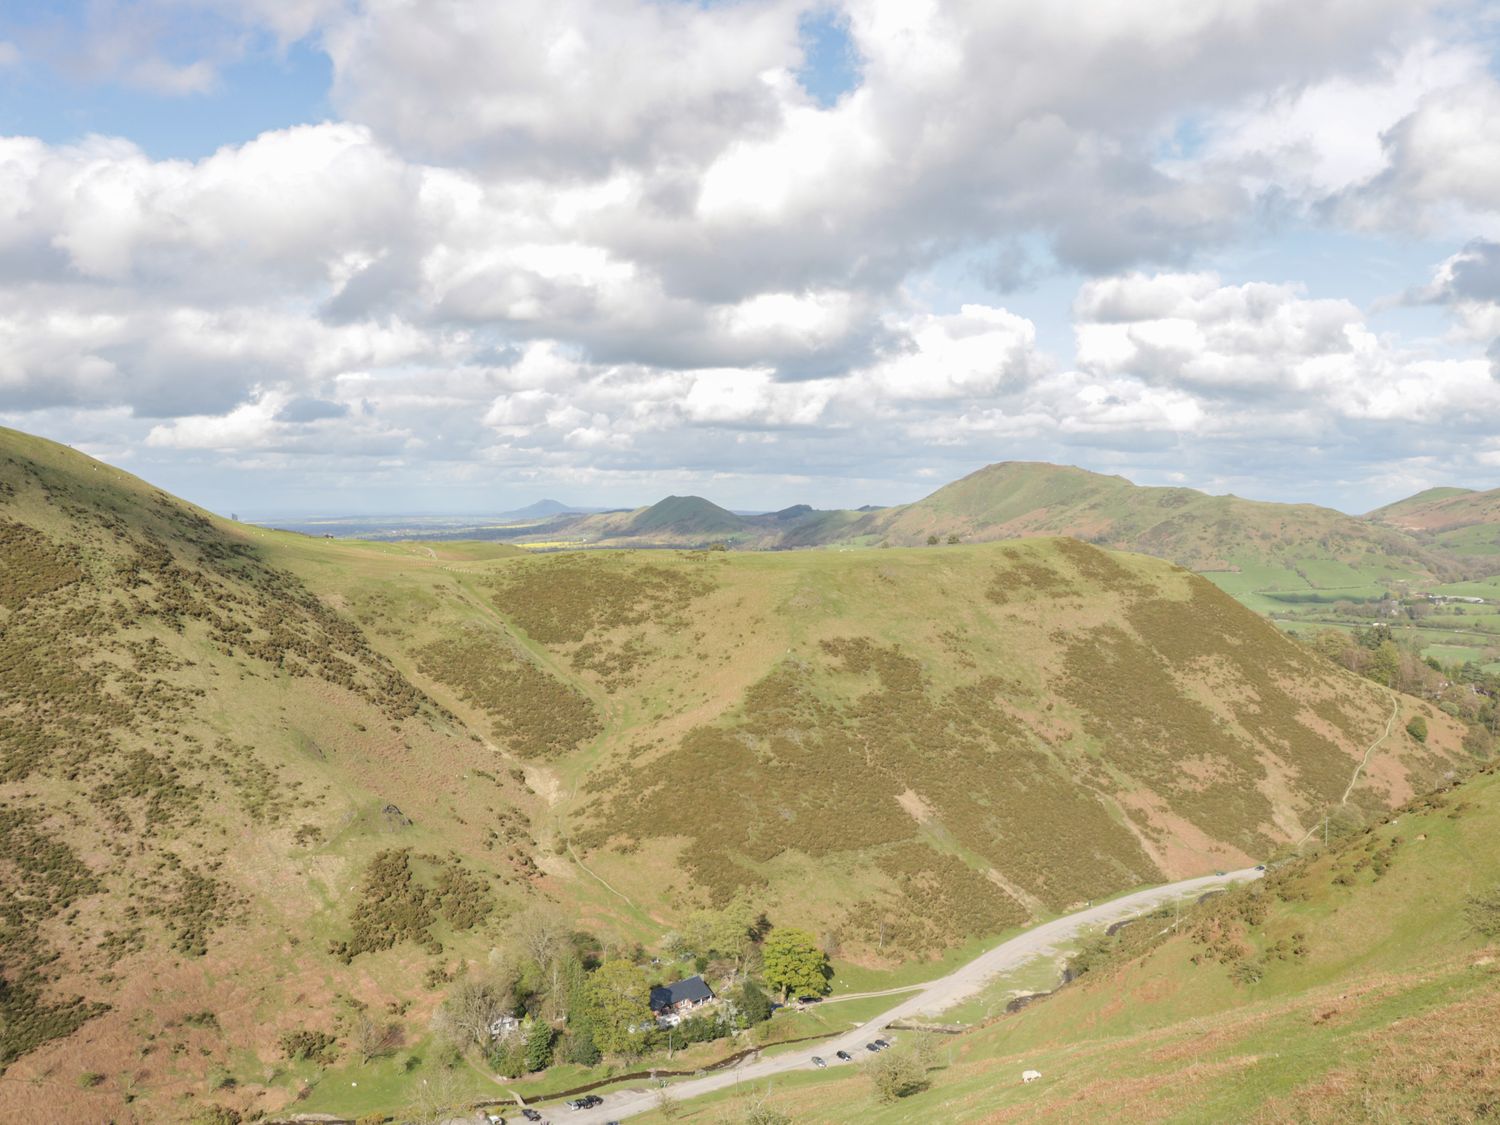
(287, 779)
(1370, 996)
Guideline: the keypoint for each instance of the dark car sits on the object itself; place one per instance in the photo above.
(819, 1063)
(882, 1044)
(844, 1056)
(874, 1050)
(588, 1101)
(1260, 867)
(531, 1115)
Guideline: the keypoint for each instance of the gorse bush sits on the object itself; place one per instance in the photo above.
(534, 713)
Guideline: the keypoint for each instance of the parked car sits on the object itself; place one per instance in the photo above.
(1260, 867)
(874, 1050)
(588, 1101)
(531, 1115)
(819, 1063)
(843, 1056)
(882, 1044)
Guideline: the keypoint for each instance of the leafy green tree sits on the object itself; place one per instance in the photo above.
(538, 1044)
(754, 1005)
(622, 1002)
(932, 540)
(793, 963)
(896, 1074)
(583, 1046)
(1417, 728)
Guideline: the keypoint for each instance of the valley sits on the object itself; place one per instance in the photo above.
(279, 809)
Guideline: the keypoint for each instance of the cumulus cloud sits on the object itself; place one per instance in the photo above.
(623, 239)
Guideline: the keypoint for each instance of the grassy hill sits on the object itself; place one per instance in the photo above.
(1458, 522)
(1250, 546)
(200, 765)
(1360, 984)
(256, 784)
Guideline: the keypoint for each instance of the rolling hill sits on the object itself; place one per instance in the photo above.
(255, 784)
(1457, 522)
(1258, 546)
(1265, 554)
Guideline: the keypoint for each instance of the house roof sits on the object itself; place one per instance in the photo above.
(694, 989)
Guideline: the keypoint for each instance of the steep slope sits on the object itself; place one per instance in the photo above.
(1361, 984)
(1457, 522)
(901, 749)
(203, 769)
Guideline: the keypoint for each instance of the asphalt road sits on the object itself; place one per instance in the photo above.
(929, 1000)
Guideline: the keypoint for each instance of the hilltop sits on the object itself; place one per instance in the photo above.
(255, 784)
(1262, 545)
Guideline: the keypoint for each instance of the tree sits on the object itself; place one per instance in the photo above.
(896, 1073)
(373, 1038)
(622, 1002)
(753, 1003)
(1417, 728)
(794, 963)
(471, 1009)
(538, 1044)
(953, 539)
(546, 937)
(583, 1046)
(729, 932)
(932, 540)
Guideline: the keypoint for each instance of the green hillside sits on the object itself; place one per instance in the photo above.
(1457, 522)
(259, 790)
(686, 515)
(1257, 547)
(1360, 984)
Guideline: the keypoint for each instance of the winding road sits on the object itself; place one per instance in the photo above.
(926, 1000)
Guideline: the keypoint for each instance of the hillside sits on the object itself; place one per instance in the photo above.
(1458, 522)
(1361, 984)
(902, 748)
(201, 767)
(257, 784)
(1255, 546)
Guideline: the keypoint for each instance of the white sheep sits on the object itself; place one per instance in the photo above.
(1030, 1075)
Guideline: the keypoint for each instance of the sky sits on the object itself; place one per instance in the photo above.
(290, 257)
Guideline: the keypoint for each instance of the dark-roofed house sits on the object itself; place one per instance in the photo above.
(681, 996)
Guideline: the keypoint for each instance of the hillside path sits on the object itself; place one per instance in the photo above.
(929, 1000)
(1363, 762)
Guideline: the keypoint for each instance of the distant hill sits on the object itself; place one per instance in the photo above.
(1255, 550)
(1458, 522)
(542, 509)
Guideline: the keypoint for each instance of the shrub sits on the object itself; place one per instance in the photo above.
(896, 1073)
(1417, 728)
(1482, 912)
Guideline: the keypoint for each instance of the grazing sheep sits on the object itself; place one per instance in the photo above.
(1030, 1075)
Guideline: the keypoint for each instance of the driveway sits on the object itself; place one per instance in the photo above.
(929, 1000)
